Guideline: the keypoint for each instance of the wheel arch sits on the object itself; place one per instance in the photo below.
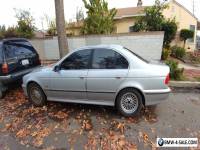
(33, 81)
(134, 88)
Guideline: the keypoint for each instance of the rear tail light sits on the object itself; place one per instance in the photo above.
(39, 61)
(167, 79)
(5, 68)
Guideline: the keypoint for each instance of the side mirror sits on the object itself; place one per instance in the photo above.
(56, 68)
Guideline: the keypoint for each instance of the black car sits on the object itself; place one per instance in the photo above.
(17, 58)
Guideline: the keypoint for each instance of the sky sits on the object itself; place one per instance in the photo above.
(40, 8)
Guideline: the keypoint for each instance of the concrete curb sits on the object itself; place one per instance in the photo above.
(184, 84)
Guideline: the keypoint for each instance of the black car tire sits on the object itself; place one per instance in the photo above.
(122, 102)
(36, 95)
(1, 94)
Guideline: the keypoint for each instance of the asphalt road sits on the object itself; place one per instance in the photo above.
(179, 116)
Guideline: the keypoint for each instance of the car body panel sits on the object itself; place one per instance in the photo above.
(101, 86)
(70, 84)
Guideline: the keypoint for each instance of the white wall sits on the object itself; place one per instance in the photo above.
(148, 44)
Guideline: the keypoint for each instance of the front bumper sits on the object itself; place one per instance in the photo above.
(153, 97)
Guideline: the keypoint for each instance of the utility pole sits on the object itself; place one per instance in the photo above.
(193, 9)
(60, 25)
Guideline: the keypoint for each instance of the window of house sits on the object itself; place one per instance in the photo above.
(131, 29)
(192, 27)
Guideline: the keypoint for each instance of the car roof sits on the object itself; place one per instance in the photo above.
(111, 46)
(13, 39)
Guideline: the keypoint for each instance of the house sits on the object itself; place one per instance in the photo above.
(126, 17)
(74, 28)
(185, 20)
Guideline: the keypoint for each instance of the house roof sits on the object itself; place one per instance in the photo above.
(139, 11)
(129, 12)
(184, 8)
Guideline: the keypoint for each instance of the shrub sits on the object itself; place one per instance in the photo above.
(175, 72)
(170, 28)
(192, 57)
(11, 32)
(186, 34)
(178, 52)
(165, 54)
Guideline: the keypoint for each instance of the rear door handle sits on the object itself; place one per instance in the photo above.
(81, 77)
(118, 77)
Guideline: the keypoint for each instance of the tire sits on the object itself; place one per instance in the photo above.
(36, 95)
(1, 94)
(2, 91)
(129, 102)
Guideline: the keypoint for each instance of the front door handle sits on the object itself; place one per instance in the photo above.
(118, 77)
(81, 77)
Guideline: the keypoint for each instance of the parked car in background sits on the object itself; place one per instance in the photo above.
(17, 58)
(104, 75)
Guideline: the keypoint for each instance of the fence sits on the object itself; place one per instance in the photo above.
(146, 44)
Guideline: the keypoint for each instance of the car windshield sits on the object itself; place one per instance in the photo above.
(137, 55)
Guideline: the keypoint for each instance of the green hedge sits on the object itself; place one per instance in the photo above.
(175, 72)
(178, 52)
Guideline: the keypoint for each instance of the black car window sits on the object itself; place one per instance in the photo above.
(108, 59)
(121, 62)
(1, 54)
(77, 60)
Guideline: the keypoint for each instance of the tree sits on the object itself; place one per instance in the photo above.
(25, 23)
(60, 26)
(100, 19)
(2, 31)
(170, 28)
(155, 21)
(51, 24)
(79, 15)
(186, 34)
(11, 32)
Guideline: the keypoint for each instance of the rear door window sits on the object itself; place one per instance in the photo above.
(108, 59)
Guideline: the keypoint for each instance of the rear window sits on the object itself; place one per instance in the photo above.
(141, 58)
(15, 49)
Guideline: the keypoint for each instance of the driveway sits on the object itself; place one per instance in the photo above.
(72, 126)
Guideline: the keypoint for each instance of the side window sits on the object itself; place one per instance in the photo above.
(121, 62)
(108, 59)
(77, 60)
(9, 51)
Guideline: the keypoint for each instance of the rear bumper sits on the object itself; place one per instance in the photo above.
(16, 76)
(153, 97)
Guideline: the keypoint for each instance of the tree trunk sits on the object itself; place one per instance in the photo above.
(60, 25)
(184, 42)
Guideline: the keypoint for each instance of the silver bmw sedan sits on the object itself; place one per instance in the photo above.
(109, 75)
